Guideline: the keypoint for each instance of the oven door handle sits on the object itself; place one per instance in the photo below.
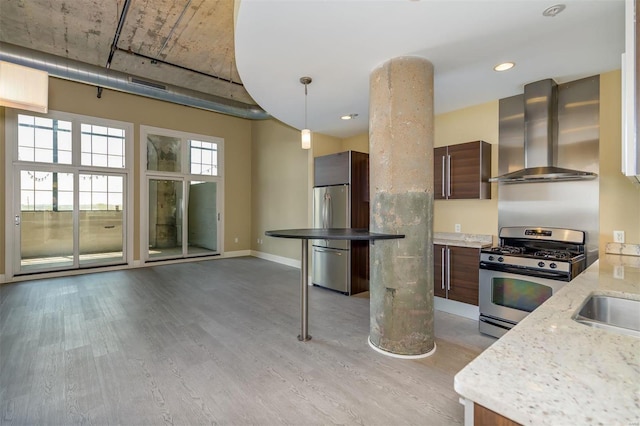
(524, 272)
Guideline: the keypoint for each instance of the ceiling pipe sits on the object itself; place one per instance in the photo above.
(116, 37)
(80, 72)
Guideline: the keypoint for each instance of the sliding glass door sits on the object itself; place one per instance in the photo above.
(69, 186)
(44, 223)
(183, 194)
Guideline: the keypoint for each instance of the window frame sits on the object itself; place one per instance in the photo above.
(184, 175)
(12, 164)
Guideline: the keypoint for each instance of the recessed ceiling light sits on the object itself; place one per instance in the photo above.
(504, 66)
(349, 116)
(553, 10)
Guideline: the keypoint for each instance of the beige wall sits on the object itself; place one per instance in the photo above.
(282, 182)
(81, 99)
(3, 199)
(280, 186)
(619, 198)
(358, 143)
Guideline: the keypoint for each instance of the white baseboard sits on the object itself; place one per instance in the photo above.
(456, 308)
(237, 253)
(278, 259)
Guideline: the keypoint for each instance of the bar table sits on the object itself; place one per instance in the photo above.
(321, 234)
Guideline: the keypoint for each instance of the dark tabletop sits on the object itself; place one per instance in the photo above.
(331, 234)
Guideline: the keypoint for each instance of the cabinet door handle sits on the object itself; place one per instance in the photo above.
(448, 269)
(443, 265)
(443, 178)
(448, 175)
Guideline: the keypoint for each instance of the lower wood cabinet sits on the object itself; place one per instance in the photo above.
(482, 416)
(456, 271)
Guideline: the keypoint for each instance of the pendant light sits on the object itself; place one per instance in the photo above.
(306, 133)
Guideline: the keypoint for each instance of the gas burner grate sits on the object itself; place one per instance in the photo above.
(507, 250)
(554, 254)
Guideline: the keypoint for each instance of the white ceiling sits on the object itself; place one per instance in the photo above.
(339, 43)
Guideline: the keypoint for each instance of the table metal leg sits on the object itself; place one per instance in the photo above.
(304, 293)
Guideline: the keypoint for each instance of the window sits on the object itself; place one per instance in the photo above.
(44, 140)
(203, 158)
(101, 192)
(70, 180)
(46, 191)
(102, 146)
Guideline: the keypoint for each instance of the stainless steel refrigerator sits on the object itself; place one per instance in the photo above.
(332, 258)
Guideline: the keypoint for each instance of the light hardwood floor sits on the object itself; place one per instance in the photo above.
(212, 342)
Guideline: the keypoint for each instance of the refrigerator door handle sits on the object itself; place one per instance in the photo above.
(329, 212)
(337, 253)
(325, 210)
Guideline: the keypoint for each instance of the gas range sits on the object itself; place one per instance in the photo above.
(535, 251)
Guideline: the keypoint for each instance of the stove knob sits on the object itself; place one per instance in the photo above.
(553, 265)
(491, 257)
(501, 259)
(541, 264)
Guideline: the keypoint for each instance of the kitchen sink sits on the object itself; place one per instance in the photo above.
(616, 314)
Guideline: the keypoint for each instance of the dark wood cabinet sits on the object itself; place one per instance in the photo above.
(462, 171)
(482, 416)
(352, 168)
(456, 273)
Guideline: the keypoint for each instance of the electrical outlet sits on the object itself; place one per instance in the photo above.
(258, 240)
(618, 236)
(618, 272)
(235, 240)
(458, 228)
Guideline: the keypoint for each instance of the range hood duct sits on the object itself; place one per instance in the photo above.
(541, 139)
(81, 72)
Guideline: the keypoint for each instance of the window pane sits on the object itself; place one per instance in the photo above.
(99, 183)
(44, 140)
(102, 146)
(43, 200)
(163, 153)
(202, 156)
(41, 180)
(115, 183)
(65, 200)
(26, 154)
(202, 218)
(65, 181)
(44, 155)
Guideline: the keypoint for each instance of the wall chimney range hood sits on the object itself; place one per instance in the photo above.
(541, 139)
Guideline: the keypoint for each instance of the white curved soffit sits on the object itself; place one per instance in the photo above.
(339, 43)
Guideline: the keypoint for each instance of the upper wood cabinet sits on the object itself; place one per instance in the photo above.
(462, 171)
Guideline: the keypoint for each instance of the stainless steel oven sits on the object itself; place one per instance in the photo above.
(507, 298)
(528, 267)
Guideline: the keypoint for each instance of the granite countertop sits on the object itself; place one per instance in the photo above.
(462, 240)
(551, 370)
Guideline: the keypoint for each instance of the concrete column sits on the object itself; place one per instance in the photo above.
(401, 176)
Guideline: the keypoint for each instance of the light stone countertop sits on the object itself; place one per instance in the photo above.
(462, 240)
(551, 370)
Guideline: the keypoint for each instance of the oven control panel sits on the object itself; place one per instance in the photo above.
(524, 262)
